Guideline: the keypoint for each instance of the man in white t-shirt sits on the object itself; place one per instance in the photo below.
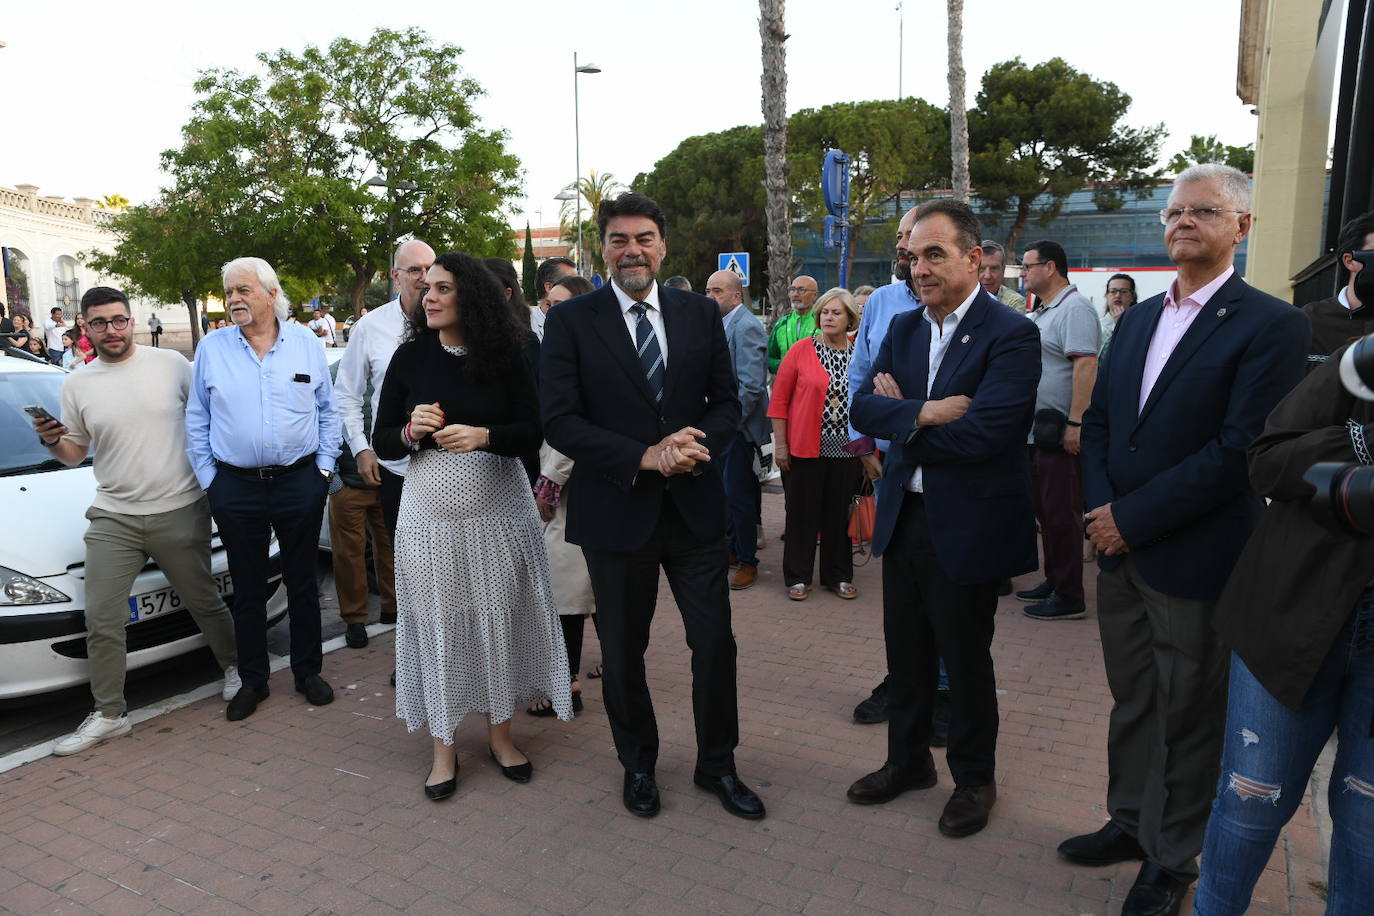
(129, 407)
(53, 329)
(320, 326)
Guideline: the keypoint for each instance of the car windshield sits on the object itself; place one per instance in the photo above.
(20, 450)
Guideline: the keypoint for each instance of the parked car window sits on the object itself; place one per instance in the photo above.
(20, 450)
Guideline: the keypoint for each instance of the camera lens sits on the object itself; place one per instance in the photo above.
(1344, 497)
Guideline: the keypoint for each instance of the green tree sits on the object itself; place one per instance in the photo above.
(528, 269)
(1210, 149)
(893, 146)
(711, 191)
(286, 154)
(1043, 132)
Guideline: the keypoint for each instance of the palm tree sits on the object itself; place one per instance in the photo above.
(114, 202)
(595, 187)
(958, 115)
(774, 35)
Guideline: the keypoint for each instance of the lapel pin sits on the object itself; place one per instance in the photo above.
(1221, 312)
(965, 339)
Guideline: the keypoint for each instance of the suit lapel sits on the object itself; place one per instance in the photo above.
(965, 336)
(610, 325)
(1220, 307)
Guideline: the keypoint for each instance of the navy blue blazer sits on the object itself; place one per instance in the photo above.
(1175, 472)
(598, 410)
(976, 470)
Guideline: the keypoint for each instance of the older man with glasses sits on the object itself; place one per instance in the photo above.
(796, 324)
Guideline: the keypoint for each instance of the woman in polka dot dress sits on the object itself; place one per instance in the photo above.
(477, 629)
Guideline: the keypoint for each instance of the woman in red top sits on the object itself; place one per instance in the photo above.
(820, 473)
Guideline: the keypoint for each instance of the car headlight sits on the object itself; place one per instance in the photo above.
(17, 588)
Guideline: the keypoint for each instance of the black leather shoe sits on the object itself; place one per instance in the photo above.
(1057, 607)
(874, 709)
(355, 636)
(245, 702)
(521, 772)
(1108, 846)
(889, 782)
(317, 692)
(939, 736)
(442, 790)
(641, 794)
(967, 810)
(388, 619)
(735, 796)
(1039, 593)
(1156, 892)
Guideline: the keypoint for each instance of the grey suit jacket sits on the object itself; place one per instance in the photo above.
(748, 343)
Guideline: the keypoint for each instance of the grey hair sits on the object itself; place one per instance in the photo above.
(1235, 184)
(991, 247)
(267, 278)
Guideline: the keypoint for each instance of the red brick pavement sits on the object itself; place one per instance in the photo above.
(301, 810)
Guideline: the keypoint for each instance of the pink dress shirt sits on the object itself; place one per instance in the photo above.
(1174, 321)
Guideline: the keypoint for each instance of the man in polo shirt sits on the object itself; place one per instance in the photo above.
(1070, 334)
(796, 324)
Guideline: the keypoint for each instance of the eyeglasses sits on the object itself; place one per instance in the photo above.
(413, 273)
(98, 325)
(800, 289)
(1170, 215)
(1027, 265)
(1118, 292)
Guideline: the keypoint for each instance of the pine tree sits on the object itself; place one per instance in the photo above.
(528, 268)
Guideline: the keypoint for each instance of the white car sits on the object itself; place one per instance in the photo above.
(42, 557)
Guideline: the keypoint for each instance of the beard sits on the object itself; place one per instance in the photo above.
(111, 350)
(901, 269)
(636, 284)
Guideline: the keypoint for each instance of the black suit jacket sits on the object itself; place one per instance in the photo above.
(598, 411)
(1175, 472)
(976, 470)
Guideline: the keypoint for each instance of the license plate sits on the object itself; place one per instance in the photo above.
(166, 600)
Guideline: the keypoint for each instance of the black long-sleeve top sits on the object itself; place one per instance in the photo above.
(423, 372)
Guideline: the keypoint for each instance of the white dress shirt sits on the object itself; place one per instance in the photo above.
(940, 336)
(371, 344)
(654, 313)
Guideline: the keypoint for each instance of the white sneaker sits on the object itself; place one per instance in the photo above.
(94, 730)
(232, 683)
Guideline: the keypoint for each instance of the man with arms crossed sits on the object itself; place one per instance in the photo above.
(129, 406)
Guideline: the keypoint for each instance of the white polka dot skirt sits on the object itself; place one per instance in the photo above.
(477, 628)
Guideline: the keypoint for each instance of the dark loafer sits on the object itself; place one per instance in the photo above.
(641, 794)
(355, 636)
(521, 772)
(967, 810)
(1156, 892)
(735, 796)
(889, 782)
(317, 692)
(245, 702)
(442, 790)
(1108, 846)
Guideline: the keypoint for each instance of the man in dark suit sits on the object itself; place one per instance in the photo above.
(637, 389)
(953, 388)
(1185, 388)
(748, 343)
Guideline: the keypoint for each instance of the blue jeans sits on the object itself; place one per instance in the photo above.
(1266, 762)
(743, 499)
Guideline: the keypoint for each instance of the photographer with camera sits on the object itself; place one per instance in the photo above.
(1298, 615)
(1345, 316)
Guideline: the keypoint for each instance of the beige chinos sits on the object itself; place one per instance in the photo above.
(117, 547)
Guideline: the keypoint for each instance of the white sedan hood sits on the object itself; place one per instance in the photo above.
(44, 520)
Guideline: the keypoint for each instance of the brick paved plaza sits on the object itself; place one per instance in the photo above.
(300, 810)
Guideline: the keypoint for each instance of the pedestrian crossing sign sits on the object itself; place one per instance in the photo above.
(737, 262)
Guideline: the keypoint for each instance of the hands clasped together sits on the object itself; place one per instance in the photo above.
(677, 453)
(459, 438)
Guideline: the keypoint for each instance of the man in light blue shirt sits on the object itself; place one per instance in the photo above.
(263, 437)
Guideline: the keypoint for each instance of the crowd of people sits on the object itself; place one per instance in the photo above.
(519, 467)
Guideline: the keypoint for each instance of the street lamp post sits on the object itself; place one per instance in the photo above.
(577, 153)
(377, 181)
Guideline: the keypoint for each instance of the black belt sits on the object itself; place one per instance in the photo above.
(267, 473)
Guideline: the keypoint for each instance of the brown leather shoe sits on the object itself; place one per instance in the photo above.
(889, 782)
(746, 574)
(966, 812)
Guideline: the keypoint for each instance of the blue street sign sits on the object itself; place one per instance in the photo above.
(737, 262)
(598, 281)
(835, 182)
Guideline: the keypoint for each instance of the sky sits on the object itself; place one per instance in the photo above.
(97, 90)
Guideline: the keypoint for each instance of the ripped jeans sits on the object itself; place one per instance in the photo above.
(1267, 759)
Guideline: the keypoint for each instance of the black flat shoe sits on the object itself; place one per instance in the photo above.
(641, 794)
(735, 796)
(355, 636)
(521, 772)
(442, 790)
(317, 691)
(245, 702)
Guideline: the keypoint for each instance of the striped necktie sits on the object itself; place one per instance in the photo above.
(650, 356)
